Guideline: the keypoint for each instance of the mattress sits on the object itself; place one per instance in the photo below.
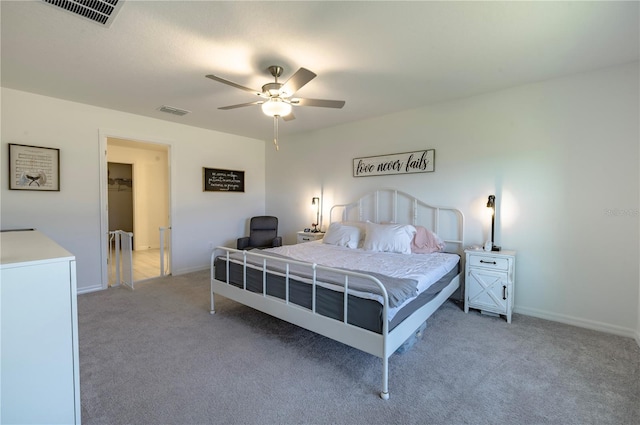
(429, 274)
(424, 268)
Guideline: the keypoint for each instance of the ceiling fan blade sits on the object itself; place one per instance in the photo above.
(319, 102)
(289, 117)
(297, 80)
(259, 102)
(232, 84)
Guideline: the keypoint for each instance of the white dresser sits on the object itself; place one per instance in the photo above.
(40, 380)
(490, 281)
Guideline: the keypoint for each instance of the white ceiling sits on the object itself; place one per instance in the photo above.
(380, 57)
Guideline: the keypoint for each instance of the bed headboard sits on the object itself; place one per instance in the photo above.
(395, 206)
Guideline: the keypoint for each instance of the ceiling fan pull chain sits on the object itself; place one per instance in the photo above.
(275, 132)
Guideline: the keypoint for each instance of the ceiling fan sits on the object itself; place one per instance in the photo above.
(277, 98)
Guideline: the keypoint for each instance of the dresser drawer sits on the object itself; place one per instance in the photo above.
(489, 262)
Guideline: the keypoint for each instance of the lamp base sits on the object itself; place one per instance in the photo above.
(495, 248)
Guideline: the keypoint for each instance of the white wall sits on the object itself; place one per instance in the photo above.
(72, 216)
(561, 156)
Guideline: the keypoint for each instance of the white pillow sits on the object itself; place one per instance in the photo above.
(340, 235)
(389, 237)
(361, 225)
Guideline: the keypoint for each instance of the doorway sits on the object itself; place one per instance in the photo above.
(137, 202)
(120, 189)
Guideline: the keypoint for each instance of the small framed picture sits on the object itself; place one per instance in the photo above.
(34, 168)
(219, 180)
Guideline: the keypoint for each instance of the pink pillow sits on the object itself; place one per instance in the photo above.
(426, 242)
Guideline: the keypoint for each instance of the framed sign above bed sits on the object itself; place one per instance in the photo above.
(219, 180)
(398, 163)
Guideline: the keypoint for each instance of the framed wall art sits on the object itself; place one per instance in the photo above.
(219, 180)
(34, 168)
(397, 163)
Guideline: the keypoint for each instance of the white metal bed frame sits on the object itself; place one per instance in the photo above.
(383, 344)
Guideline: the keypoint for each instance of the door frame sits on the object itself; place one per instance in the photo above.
(104, 135)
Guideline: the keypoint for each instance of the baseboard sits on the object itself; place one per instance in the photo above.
(190, 270)
(581, 323)
(561, 318)
(94, 288)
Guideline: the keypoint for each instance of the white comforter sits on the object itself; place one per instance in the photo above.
(424, 268)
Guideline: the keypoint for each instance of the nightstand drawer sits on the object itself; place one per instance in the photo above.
(309, 236)
(495, 263)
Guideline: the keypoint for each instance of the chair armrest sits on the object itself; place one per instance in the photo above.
(277, 241)
(243, 242)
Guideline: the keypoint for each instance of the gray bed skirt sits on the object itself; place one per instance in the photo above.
(363, 313)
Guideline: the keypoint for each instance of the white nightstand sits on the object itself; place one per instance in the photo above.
(489, 283)
(309, 236)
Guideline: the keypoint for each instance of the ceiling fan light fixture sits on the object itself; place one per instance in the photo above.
(276, 107)
(272, 89)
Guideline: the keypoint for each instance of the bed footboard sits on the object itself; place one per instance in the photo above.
(382, 344)
(284, 308)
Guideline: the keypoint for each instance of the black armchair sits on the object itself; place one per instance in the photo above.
(263, 233)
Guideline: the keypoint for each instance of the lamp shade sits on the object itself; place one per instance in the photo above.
(276, 107)
(491, 202)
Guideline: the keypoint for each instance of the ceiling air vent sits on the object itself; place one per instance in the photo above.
(172, 110)
(100, 11)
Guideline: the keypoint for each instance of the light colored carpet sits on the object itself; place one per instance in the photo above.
(156, 356)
